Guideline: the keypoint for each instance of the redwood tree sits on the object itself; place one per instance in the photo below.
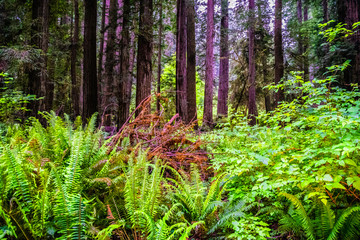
(191, 62)
(109, 86)
(279, 59)
(89, 76)
(252, 110)
(125, 76)
(222, 107)
(74, 46)
(144, 66)
(209, 61)
(181, 46)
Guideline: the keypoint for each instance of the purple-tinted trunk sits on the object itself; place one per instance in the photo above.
(222, 107)
(144, 61)
(252, 110)
(191, 63)
(209, 62)
(279, 59)
(181, 83)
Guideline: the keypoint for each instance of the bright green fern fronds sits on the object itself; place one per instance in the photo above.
(348, 225)
(301, 215)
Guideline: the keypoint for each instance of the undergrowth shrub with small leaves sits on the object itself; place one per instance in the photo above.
(307, 147)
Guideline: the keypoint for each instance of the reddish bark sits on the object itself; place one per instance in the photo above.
(252, 109)
(159, 59)
(191, 63)
(279, 59)
(125, 76)
(223, 93)
(90, 78)
(181, 83)
(209, 62)
(144, 63)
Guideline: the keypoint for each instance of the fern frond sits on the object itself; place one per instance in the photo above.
(302, 215)
(343, 222)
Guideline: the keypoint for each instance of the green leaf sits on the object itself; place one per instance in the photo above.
(350, 162)
(328, 178)
(338, 185)
(357, 184)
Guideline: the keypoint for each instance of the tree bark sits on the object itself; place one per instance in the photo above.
(223, 93)
(74, 47)
(209, 62)
(300, 38)
(109, 97)
(159, 59)
(34, 85)
(47, 85)
(252, 109)
(125, 75)
(306, 43)
(325, 11)
(191, 63)
(144, 63)
(90, 103)
(181, 48)
(279, 58)
(101, 54)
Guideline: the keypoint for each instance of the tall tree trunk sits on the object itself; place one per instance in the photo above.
(300, 37)
(306, 43)
(325, 11)
(191, 63)
(74, 47)
(108, 98)
(47, 85)
(349, 13)
(209, 62)
(159, 59)
(90, 86)
(125, 75)
(279, 58)
(222, 107)
(181, 46)
(34, 85)
(144, 63)
(252, 109)
(101, 54)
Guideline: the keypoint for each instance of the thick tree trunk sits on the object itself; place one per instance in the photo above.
(109, 98)
(209, 62)
(144, 63)
(159, 59)
(74, 47)
(34, 85)
(306, 43)
(191, 63)
(325, 11)
(90, 86)
(300, 37)
(181, 48)
(279, 58)
(252, 109)
(125, 74)
(222, 107)
(101, 55)
(349, 13)
(47, 85)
